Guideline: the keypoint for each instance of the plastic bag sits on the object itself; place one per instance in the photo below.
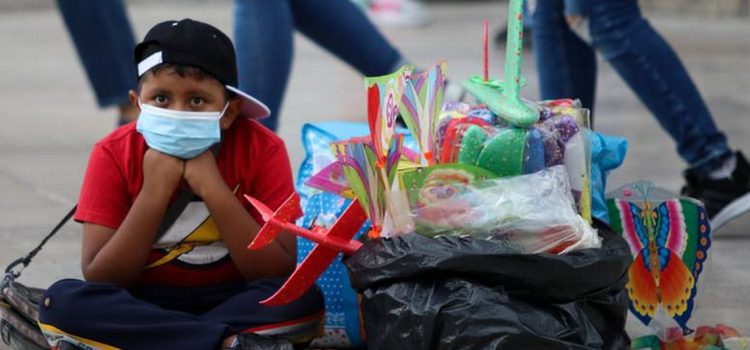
(341, 329)
(530, 213)
(607, 153)
(342, 324)
(719, 337)
(467, 293)
(474, 136)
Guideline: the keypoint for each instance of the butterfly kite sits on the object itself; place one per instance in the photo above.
(669, 238)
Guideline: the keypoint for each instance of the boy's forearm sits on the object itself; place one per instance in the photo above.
(121, 260)
(238, 228)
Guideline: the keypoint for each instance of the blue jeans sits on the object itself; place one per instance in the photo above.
(528, 20)
(104, 40)
(567, 68)
(263, 35)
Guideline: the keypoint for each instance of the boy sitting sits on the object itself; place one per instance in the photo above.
(192, 284)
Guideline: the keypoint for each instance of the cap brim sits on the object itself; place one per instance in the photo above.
(252, 108)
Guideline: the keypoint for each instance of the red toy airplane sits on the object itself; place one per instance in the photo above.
(330, 242)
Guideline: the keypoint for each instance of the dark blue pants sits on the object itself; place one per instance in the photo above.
(644, 60)
(104, 41)
(102, 314)
(263, 35)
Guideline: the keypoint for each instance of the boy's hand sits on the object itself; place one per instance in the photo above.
(161, 173)
(202, 174)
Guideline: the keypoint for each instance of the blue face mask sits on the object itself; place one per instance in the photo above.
(180, 134)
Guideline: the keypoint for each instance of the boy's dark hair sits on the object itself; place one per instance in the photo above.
(183, 71)
(179, 69)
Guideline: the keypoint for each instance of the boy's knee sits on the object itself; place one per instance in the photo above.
(315, 296)
(309, 303)
(62, 301)
(58, 300)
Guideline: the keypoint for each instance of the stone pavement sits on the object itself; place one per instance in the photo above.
(49, 121)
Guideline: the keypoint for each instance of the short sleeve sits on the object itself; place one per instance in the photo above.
(273, 181)
(104, 198)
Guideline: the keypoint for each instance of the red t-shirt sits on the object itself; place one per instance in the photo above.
(252, 160)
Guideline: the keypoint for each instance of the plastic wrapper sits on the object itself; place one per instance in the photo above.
(474, 136)
(607, 153)
(468, 293)
(529, 214)
(342, 324)
(719, 337)
(565, 126)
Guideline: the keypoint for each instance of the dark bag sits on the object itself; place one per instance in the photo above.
(19, 304)
(465, 293)
(19, 310)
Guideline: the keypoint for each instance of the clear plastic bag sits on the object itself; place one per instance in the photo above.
(474, 136)
(531, 213)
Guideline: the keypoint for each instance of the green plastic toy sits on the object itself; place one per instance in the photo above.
(472, 144)
(503, 153)
(502, 97)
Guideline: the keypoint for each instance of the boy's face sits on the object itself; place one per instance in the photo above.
(167, 89)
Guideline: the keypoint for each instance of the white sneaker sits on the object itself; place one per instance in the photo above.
(734, 209)
(399, 13)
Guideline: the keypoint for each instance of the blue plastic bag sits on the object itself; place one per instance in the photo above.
(342, 327)
(607, 153)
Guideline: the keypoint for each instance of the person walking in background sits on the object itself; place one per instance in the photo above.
(264, 38)
(263, 35)
(104, 41)
(397, 13)
(528, 25)
(566, 35)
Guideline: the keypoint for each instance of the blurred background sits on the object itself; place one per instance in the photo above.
(49, 119)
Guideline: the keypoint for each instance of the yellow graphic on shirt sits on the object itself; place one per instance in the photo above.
(193, 238)
(205, 234)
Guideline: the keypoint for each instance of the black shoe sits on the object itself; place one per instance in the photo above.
(718, 195)
(252, 341)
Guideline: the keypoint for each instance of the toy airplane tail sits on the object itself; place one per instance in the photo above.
(288, 212)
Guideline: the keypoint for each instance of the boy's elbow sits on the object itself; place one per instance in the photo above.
(92, 274)
(283, 267)
(289, 260)
(277, 268)
(89, 272)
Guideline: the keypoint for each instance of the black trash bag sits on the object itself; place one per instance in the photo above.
(464, 293)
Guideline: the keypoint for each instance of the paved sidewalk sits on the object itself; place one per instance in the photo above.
(49, 121)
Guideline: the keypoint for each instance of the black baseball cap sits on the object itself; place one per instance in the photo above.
(193, 43)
